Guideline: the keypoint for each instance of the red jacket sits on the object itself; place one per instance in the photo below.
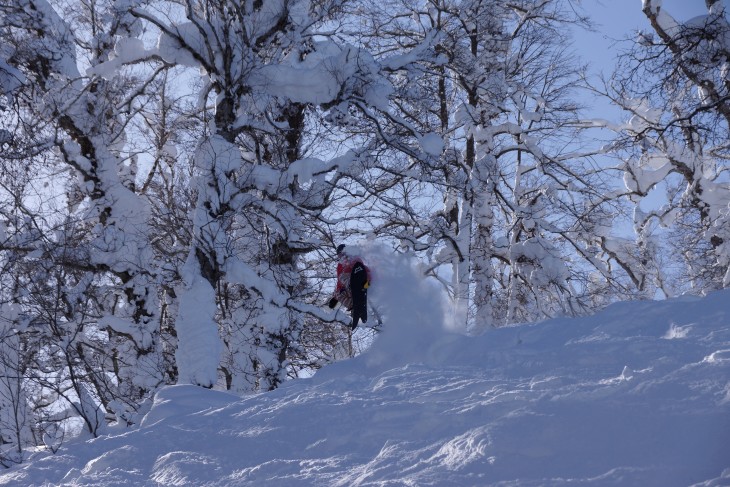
(344, 270)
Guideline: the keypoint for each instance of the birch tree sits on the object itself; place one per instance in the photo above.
(78, 238)
(674, 83)
(272, 73)
(484, 117)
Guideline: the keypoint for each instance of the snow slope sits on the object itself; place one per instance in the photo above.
(637, 395)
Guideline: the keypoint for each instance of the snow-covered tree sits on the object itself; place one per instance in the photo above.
(270, 73)
(78, 236)
(675, 85)
(175, 176)
(16, 416)
(484, 119)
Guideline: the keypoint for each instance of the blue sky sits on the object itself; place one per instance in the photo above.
(619, 16)
(617, 19)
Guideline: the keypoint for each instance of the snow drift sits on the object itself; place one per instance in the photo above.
(638, 394)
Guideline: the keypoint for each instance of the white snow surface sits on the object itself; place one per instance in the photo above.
(636, 395)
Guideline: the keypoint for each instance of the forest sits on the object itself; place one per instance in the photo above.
(175, 176)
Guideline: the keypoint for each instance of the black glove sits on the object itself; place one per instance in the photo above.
(332, 303)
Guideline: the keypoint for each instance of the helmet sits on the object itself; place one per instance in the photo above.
(340, 248)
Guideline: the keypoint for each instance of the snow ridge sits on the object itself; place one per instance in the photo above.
(635, 395)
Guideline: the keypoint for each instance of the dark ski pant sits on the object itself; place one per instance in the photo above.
(358, 279)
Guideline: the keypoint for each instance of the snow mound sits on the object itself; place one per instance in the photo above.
(638, 394)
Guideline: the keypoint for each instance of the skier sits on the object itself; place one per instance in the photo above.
(353, 280)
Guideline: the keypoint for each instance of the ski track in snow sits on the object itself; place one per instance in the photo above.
(637, 395)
